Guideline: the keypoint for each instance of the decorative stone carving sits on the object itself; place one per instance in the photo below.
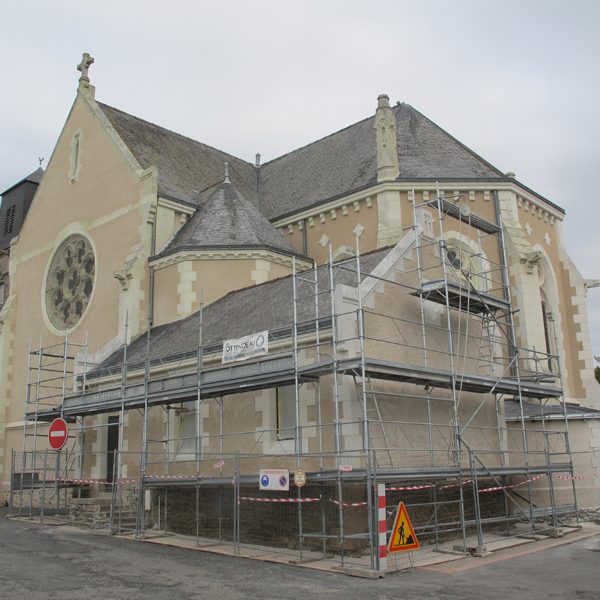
(531, 260)
(388, 167)
(70, 282)
(123, 278)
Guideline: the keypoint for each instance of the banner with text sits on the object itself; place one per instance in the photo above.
(246, 347)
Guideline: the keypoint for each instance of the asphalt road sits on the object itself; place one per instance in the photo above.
(40, 562)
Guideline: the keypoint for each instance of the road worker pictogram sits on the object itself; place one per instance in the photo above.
(403, 535)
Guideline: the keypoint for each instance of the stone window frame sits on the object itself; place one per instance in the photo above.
(285, 403)
(75, 157)
(466, 251)
(72, 231)
(549, 311)
(182, 447)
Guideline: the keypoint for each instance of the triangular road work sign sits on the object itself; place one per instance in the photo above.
(403, 535)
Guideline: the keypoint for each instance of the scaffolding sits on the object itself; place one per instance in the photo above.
(399, 369)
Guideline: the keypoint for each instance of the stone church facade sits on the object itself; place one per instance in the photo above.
(136, 227)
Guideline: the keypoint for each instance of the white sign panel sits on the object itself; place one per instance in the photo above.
(274, 479)
(248, 346)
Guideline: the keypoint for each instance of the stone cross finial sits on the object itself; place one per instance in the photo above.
(84, 66)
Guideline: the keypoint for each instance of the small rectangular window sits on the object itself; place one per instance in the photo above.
(75, 157)
(186, 430)
(286, 412)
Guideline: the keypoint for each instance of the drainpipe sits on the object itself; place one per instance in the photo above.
(150, 312)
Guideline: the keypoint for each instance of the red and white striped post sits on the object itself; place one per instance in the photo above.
(381, 519)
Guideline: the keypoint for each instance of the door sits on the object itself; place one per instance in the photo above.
(112, 445)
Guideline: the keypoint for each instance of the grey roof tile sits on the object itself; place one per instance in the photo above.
(427, 151)
(226, 219)
(185, 166)
(333, 166)
(346, 161)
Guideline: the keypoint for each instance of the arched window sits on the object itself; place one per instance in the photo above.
(547, 318)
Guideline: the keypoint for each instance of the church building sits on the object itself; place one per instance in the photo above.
(269, 352)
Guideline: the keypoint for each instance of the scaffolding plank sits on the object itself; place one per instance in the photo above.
(280, 371)
(461, 298)
(393, 371)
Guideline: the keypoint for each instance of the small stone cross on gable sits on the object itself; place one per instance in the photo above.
(84, 66)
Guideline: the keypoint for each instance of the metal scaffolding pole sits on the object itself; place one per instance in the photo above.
(336, 401)
(198, 440)
(373, 534)
(455, 424)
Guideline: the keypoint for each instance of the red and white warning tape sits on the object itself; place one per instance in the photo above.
(83, 481)
(409, 488)
(508, 487)
(172, 477)
(454, 485)
(347, 504)
(97, 481)
(280, 500)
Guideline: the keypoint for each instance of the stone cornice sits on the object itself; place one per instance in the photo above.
(176, 206)
(228, 254)
(539, 210)
(368, 194)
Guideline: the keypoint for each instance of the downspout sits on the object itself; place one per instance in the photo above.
(304, 238)
(150, 314)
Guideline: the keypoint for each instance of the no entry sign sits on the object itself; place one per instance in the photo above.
(58, 434)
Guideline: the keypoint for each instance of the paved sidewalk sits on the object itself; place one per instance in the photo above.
(42, 562)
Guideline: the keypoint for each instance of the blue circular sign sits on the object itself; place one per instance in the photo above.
(264, 481)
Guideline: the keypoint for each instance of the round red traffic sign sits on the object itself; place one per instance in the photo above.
(58, 434)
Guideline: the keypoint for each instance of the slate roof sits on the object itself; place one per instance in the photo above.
(333, 166)
(241, 312)
(185, 166)
(225, 220)
(533, 412)
(346, 161)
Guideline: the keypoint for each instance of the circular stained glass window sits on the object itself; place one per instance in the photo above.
(70, 282)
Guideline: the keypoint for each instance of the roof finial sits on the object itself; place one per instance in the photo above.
(83, 66)
(226, 180)
(41, 160)
(383, 101)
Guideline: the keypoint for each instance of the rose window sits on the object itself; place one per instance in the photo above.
(70, 282)
(467, 266)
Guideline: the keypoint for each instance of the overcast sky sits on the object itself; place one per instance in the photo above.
(518, 82)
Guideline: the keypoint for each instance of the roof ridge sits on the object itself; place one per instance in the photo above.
(317, 141)
(181, 135)
(464, 146)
